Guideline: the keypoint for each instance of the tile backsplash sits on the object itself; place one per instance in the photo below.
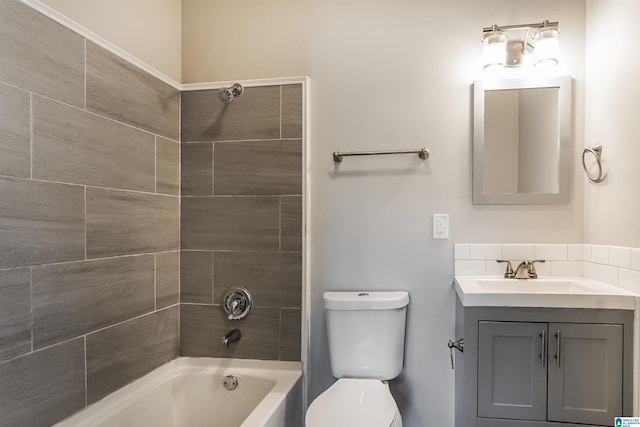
(614, 265)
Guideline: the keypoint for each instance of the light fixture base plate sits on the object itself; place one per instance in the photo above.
(518, 53)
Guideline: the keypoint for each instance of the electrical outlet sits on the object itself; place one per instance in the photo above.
(440, 226)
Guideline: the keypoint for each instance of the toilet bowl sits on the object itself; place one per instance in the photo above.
(366, 348)
(351, 402)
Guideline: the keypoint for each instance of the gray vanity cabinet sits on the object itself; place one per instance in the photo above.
(566, 372)
(585, 372)
(543, 366)
(512, 380)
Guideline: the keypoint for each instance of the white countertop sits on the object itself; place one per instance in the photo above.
(559, 292)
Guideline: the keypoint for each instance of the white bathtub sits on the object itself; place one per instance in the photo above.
(189, 392)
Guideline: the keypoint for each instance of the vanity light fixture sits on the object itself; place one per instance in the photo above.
(515, 45)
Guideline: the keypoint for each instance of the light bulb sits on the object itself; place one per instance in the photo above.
(546, 47)
(494, 51)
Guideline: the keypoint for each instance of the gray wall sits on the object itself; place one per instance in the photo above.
(241, 220)
(89, 220)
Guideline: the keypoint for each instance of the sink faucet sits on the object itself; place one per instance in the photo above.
(231, 336)
(525, 270)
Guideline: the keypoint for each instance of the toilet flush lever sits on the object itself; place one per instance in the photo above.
(458, 345)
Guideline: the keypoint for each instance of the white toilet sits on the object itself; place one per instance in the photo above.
(366, 346)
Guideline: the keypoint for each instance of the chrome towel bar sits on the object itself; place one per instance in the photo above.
(423, 153)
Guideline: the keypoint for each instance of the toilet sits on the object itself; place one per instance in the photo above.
(366, 349)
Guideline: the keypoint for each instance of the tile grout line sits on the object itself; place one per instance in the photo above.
(179, 223)
(93, 259)
(279, 333)
(85, 74)
(280, 112)
(266, 251)
(85, 221)
(86, 374)
(279, 224)
(155, 164)
(31, 303)
(109, 118)
(230, 196)
(213, 170)
(270, 307)
(213, 299)
(155, 281)
(30, 135)
(92, 332)
(231, 141)
(75, 184)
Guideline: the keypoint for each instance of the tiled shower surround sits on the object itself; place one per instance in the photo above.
(89, 181)
(90, 220)
(242, 220)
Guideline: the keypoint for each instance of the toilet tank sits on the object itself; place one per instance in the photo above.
(366, 333)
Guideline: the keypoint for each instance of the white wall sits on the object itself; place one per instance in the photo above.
(231, 40)
(150, 30)
(396, 75)
(612, 208)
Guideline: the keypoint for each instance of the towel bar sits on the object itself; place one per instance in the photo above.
(423, 153)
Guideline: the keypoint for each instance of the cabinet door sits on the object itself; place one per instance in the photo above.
(585, 381)
(512, 376)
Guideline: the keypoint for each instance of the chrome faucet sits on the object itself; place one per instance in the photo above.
(525, 270)
(231, 336)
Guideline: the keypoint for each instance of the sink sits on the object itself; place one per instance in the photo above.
(558, 292)
(533, 286)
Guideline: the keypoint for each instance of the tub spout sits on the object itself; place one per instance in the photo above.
(232, 336)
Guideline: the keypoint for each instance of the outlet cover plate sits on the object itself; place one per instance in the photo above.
(440, 226)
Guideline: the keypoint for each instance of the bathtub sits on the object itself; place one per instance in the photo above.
(189, 392)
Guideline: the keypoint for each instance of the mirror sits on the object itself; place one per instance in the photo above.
(521, 141)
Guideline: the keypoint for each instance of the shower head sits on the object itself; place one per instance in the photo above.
(226, 94)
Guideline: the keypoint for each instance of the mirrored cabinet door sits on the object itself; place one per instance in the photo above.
(522, 143)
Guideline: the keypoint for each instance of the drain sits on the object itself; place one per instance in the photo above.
(230, 382)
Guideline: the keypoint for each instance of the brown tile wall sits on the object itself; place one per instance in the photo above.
(242, 220)
(92, 250)
(89, 220)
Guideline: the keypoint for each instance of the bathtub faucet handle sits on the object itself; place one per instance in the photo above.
(231, 336)
(236, 303)
(234, 306)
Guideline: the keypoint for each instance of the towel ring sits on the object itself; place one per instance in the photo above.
(596, 150)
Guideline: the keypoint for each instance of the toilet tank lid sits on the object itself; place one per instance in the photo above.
(364, 300)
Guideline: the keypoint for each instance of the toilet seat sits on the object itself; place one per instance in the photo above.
(353, 402)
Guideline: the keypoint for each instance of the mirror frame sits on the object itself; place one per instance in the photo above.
(564, 139)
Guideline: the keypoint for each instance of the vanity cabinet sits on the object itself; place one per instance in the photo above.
(564, 372)
(543, 366)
